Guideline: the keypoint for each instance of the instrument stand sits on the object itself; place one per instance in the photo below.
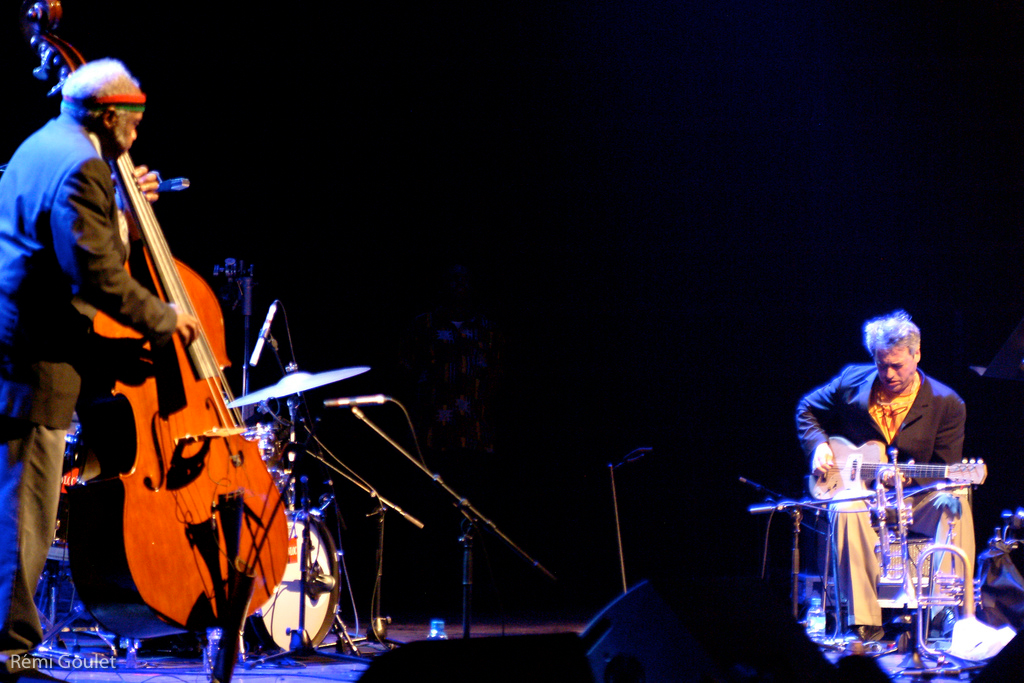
(795, 510)
(379, 625)
(945, 663)
(473, 518)
(633, 455)
(468, 529)
(344, 639)
(913, 663)
(300, 644)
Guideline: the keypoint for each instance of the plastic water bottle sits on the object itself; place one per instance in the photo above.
(213, 636)
(815, 619)
(437, 630)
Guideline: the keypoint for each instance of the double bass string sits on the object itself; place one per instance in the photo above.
(203, 358)
(200, 352)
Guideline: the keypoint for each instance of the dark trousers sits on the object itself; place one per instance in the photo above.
(31, 460)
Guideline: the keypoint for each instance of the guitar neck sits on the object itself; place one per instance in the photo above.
(870, 470)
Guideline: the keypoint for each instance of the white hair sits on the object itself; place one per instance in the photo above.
(98, 78)
(890, 331)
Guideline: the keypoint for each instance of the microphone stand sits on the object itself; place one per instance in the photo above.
(246, 283)
(300, 643)
(473, 520)
(772, 504)
(377, 623)
(237, 271)
(632, 456)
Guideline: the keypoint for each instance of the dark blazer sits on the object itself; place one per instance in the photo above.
(933, 430)
(61, 259)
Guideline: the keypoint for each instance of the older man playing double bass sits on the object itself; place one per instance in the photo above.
(63, 246)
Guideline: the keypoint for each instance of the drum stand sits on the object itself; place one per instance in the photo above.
(53, 577)
(301, 644)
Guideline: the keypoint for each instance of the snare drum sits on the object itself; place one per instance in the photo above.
(266, 437)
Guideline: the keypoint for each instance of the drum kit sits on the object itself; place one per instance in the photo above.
(303, 608)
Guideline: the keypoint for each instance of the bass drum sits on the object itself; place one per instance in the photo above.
(71, 475)
(280, 614)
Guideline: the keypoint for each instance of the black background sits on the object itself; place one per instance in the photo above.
(679, 213)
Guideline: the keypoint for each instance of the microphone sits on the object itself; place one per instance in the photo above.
(375, 400)
(633, 455)
(264, 333)
(764, 508)
(173, 185)
(319, 583)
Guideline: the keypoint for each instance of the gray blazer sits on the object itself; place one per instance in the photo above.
(61, 259)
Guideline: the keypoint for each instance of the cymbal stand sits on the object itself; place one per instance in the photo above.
(300, 643)
(473, 518)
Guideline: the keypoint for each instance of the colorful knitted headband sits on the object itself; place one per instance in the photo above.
(128, 102)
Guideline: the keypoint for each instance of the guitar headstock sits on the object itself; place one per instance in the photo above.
(967, 472)
(57, 57)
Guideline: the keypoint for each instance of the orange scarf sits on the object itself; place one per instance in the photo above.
(889, 413)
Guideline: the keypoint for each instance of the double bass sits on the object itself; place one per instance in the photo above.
(185, 528)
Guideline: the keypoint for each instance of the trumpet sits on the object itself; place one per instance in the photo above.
(903, 515)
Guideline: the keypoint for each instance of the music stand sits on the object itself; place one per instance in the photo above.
(1008, 362)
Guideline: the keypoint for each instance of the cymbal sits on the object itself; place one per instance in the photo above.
(296, 383)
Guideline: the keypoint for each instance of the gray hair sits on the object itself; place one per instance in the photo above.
(891, 331)
(98, 78)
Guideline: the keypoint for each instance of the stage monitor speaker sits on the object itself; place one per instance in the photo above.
(725, 626)
(700, 631)
(638, 637)
(549, 658)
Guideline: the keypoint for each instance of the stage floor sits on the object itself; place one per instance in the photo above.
(94, 662)
(97, 665)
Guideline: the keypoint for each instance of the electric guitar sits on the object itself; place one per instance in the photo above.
(856, 465)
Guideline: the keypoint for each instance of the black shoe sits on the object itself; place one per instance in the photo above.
(942, 623)
(868, 633)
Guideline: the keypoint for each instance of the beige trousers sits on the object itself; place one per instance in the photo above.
(855, 540)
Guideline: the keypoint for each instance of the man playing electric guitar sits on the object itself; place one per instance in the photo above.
(893, 402)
